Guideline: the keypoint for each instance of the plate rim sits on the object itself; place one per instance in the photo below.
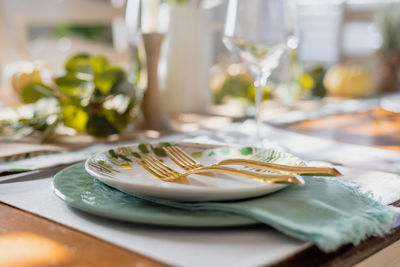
(115, 214)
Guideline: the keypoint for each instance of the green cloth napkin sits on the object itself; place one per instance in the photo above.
(326, 211)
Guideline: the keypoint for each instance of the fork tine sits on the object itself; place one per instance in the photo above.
(160, 170)
(183, 154)
(179, 155)
(162, 166)
(154, 167)
(177, 159)
(187, 160)
(149, 169)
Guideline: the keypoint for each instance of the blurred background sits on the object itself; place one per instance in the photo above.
(348, 49)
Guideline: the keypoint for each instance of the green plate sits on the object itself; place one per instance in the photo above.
(80, 190)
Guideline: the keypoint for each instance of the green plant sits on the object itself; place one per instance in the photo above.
(92, 97)
(388, 22)
(96, 32)
(178, 2)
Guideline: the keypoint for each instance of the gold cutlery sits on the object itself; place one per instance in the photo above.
(187, 163)
(165, 173)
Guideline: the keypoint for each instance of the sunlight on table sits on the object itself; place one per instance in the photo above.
(25, 249)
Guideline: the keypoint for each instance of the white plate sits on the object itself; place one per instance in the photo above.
(118, 168)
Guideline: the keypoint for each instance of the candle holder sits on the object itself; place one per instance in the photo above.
(143, 19)
(155, 116)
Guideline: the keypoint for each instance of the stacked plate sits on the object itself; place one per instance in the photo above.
(113, 184)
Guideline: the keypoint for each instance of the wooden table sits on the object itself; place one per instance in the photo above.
(30, 240)
(377, 127)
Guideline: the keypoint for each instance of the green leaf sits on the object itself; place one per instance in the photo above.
(136, 155)
(197, 155)
(143, 148)
(34, 91)
(79, 104)
(159, 152)
(246, 151)
(126, 88)
(233, 87)
(124, 157)
(81, 64)
(74, 63)
(113, 153)
(164, 144)
(109, 79)
(125, 150)
(73, 86)
(119, 121)
(99, 126)
(177, 2)
(75, 117)
(49, 130)
(225, 151)
(85, 70)
(318, 75)
(98, 63)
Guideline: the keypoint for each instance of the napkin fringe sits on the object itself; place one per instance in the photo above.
(375, 221)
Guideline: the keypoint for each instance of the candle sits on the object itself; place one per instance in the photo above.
(150, 16)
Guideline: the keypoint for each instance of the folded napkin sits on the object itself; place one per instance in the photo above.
(326, 211)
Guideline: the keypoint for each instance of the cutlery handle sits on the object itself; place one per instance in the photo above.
(323, 171)
(271, 178)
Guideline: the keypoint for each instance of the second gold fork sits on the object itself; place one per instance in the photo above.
(163, 172)
(184, 161)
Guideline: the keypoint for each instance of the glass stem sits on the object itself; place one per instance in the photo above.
(259, 84)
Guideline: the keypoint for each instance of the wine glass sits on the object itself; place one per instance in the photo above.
(259, 32)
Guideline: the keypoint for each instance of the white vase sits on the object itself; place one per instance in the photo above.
(187, 86)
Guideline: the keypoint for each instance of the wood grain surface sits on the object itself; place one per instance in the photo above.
(377, 127)
(30, 240)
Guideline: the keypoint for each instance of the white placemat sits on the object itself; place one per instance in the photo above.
(239, 246)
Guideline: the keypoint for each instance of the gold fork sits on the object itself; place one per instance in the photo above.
(187, 163)
(165, 173)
